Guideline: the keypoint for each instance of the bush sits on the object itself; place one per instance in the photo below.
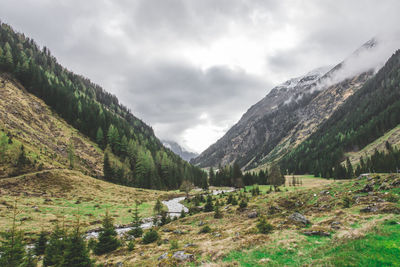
(174, 244)
(347, 202)
(150, 237)
(243, 204)
(136, 232)
(131, 245)
(206, 229)
(264, 227)
(218, 213)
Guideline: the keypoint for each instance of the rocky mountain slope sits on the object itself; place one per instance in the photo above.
(291, 112)
(180, 151)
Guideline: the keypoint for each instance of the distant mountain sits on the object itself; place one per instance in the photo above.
(294, 110)
(180, 151)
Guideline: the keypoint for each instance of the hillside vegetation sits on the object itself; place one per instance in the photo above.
(96, 114)
(363, 118)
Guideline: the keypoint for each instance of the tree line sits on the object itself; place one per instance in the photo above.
(145, 162)
(232, 175)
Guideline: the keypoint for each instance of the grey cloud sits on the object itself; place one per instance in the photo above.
(133, 48)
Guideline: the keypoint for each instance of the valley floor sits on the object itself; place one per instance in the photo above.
(351, 222)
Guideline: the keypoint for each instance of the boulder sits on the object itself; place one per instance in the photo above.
(367, 188)
(335, 225)
(252, 215)
(316, 233)
(371, 208)
(178, 232)
(163, 256)
(299, 218)
(182, 256)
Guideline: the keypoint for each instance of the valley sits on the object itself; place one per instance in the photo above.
(309, 175)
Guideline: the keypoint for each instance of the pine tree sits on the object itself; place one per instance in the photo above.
(158, 207)
(71, 154)
(100, 137)
(136, 230)
(53, 254)
(40, 244)
(211, 176)
(12, 249)
(76, 253)
(209, 205)
(107, 169)
(107, 237)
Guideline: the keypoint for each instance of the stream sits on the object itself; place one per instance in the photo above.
(174, 209)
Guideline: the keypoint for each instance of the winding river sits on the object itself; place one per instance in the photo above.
(174, 209)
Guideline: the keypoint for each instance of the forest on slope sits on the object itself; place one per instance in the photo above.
(97, 114)
(368, 114)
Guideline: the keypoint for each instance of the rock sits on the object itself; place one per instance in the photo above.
(163, 256)
(189, 245)
(119, 264)
(166, 230)
(252, 215)
(324, 192)
(367, 188)
(201, 223)
(316, 233)
(217, 235)
(165, 240)
(182, 256)
(264, 260)
(371, 208)
(335, 225)
(178, 232)
(299, 218)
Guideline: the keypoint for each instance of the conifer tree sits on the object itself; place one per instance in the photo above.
(209, 205)
(40, 244)
(136, 230)
(107, 169)
(100, 137)
(107, 237)
(76, 253)
(54, 251)
(12, 249)
(157, 207)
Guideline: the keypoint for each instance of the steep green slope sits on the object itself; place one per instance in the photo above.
(366, 116)
(95, 113)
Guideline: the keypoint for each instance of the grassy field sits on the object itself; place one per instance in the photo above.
(48, 197)
(234, 239)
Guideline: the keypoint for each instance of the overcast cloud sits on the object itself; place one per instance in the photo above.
(191, 68)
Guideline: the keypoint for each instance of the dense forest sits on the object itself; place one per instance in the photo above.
(366, 115)
(97, 114)
(231, 175)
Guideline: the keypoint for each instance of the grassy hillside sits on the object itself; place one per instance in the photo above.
(28, 121)
(355, 234)
(47, 197)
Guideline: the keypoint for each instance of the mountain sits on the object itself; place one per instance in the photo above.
(180, 151)
(370, 113)
(131, 153)
(292, 111)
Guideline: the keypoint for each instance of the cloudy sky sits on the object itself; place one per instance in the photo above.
(191, 68)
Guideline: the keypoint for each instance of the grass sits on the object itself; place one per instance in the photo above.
(381, 247)
(54, 196)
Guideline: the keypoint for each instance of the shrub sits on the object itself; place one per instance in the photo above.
(131, 245)
(243, 204)
(263, 226)
(218, 213)
(174, 244)
(150, 237)
(347, 202)
(206, 229)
